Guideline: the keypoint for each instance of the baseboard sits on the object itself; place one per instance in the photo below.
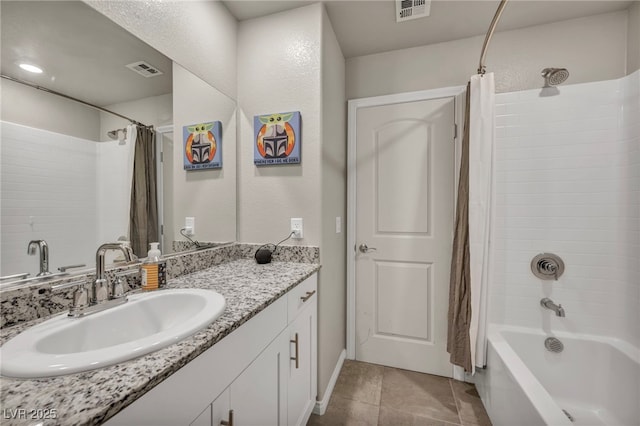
(321, 406)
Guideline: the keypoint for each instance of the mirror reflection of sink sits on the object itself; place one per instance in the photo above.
(146, 323)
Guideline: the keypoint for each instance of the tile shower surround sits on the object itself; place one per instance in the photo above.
(22, 304)
(568, 182)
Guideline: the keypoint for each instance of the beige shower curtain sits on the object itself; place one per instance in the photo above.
(459, 318)
(143, 216)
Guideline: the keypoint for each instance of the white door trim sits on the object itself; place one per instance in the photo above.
(160, 131)
(456, 92)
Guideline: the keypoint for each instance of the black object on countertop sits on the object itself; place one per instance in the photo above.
(263, 254)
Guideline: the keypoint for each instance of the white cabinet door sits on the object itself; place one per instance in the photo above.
(204, 419)
(258, 395)
(302, 368)
(220, 409)
(215, 413)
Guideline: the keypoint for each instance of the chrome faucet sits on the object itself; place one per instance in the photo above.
(548, 303)
(100, 295)
(100, 290)
(44, 255)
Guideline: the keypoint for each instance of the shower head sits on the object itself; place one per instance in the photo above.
(554, 76)
(118, 134)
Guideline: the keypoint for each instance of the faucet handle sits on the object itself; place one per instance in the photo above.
(81, 297)
(117, 288)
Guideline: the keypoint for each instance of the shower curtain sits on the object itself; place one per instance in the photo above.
(470, 265)
(459, 316)
(143, 217)
(481, 197)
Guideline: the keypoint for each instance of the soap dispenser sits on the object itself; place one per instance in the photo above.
(154, 269)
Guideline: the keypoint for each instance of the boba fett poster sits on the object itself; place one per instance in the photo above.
(202, 146)
(277, 139)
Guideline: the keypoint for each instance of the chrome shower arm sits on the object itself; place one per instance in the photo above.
(487, 39)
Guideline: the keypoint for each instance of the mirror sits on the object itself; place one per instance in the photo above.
(64, 179)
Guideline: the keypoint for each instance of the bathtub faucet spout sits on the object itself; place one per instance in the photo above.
(548, 303)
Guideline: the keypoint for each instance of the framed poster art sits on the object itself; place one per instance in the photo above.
(202, 146)
(277, 139)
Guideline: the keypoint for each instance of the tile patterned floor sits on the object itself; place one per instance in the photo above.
(369, 395)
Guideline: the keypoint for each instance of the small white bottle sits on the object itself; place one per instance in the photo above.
(153, 272)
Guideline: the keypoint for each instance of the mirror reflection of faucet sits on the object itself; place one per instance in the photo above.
(548, 304)
(44, 255)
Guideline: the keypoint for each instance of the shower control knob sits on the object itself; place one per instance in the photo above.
(547, 266)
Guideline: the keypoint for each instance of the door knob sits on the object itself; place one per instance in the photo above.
(364, 249)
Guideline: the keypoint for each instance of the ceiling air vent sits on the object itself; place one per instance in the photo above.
(144, 69)
(412, 9)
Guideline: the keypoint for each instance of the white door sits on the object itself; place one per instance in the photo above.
(404, 214)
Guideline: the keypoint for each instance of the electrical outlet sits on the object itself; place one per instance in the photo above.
(190, 225)
(296, 228)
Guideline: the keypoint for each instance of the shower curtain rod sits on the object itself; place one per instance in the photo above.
(44, 89)
(487, 39)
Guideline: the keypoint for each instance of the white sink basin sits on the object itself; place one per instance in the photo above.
(146, 323)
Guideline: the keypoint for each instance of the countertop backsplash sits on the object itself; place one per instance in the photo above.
(20, 304)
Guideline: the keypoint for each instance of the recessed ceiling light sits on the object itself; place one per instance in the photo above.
(31, 68)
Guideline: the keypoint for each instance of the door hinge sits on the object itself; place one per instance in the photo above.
(161, 229)
(162, 156)
(455, 131)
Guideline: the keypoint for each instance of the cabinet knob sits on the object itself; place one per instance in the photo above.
(228, 423)
(308, 296)
(296, 358)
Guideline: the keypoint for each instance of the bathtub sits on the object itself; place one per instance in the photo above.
(595, 380)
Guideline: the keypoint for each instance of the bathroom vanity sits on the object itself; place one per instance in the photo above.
(257, 361)
(263, 373)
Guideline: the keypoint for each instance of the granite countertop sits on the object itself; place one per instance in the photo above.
(94, 396)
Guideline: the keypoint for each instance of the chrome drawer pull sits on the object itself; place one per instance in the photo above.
(230, 422)
(308, 296)
(295, 358)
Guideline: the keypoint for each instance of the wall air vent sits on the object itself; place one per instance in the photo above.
(412, 9)
(144, 69)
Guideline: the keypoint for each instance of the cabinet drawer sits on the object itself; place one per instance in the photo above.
(301, 296)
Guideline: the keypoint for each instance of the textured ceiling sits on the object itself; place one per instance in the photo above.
(368, 26)
(84, 54)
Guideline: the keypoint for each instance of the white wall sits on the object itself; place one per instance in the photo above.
(332, 297)
(208, 195)
(301, 69)
(198, 35)
(279, 62)
(633, 38)
(48, 193)
(567, 183)
(31, 107)
(591, 48)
